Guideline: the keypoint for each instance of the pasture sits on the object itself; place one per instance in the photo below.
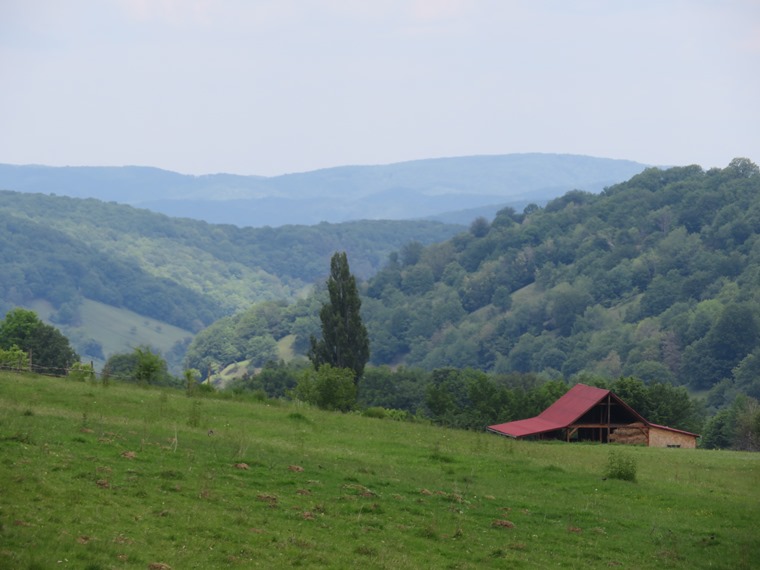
(119, 476)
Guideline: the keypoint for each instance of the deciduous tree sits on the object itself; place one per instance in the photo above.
(50, 350)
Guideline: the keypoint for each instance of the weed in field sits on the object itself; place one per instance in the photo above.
(366, 551)
(620, 466)
(163, 401)
(194, 417)
(441, 457)
(429, 532)
(259, 395)
(242, 441)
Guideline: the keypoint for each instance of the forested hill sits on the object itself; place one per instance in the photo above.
(657, 277)
(177, 271)
(408, 190)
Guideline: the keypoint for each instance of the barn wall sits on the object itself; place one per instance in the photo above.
(664, 438)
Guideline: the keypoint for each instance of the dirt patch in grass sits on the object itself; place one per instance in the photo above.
(270, 500)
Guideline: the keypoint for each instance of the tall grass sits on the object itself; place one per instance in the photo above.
(125, 477)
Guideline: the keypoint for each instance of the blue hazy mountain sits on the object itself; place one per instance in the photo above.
(441, 188)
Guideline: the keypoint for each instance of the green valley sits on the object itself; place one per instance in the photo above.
(653, 280)
(180, 273)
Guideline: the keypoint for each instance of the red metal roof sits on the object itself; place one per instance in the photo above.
(565, 411)
(576, 402)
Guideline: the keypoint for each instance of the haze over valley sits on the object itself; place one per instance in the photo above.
(454, 190)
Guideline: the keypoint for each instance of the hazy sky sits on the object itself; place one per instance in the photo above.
(275, 86)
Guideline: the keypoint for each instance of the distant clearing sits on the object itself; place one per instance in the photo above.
(117, 329)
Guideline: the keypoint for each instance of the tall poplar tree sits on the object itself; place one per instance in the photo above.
(344, 342)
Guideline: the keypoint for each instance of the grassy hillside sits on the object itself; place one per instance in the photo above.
(116, 330)
(121, 476)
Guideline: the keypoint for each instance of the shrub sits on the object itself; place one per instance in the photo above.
(259, 395)
(329, 388)
(14, 358)
(81, 372)
(375, 412)
(194, 416)
(620, 466)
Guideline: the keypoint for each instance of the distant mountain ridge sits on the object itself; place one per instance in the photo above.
(407, 190)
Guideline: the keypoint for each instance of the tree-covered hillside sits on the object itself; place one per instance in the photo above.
(658, 278)
(181, 272)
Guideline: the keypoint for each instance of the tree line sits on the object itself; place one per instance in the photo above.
(457, 398)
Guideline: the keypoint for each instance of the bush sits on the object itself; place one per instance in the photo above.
(399, 415)
(375, 412)
(81, 372)
(14, 359)
(620, 466)
(259, 395)
(328, 388)
(387, 413)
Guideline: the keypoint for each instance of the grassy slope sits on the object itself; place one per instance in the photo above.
(117, 330)
(285, 351)
(374, 493)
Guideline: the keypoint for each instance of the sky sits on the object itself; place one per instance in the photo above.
(269, 87)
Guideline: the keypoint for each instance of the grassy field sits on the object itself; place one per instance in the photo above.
(97, 477)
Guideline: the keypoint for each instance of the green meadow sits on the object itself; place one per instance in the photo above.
(120, 476)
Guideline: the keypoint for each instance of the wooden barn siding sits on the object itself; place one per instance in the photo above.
(664, 438)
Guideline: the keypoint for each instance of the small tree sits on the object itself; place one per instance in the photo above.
(149, 366)
(13, 358)
(141, 365)
(191, 376)
(344, 343)
(50, 350)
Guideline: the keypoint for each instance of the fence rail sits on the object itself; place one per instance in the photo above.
(58, 372)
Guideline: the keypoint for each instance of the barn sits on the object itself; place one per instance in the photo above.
(587, 413)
